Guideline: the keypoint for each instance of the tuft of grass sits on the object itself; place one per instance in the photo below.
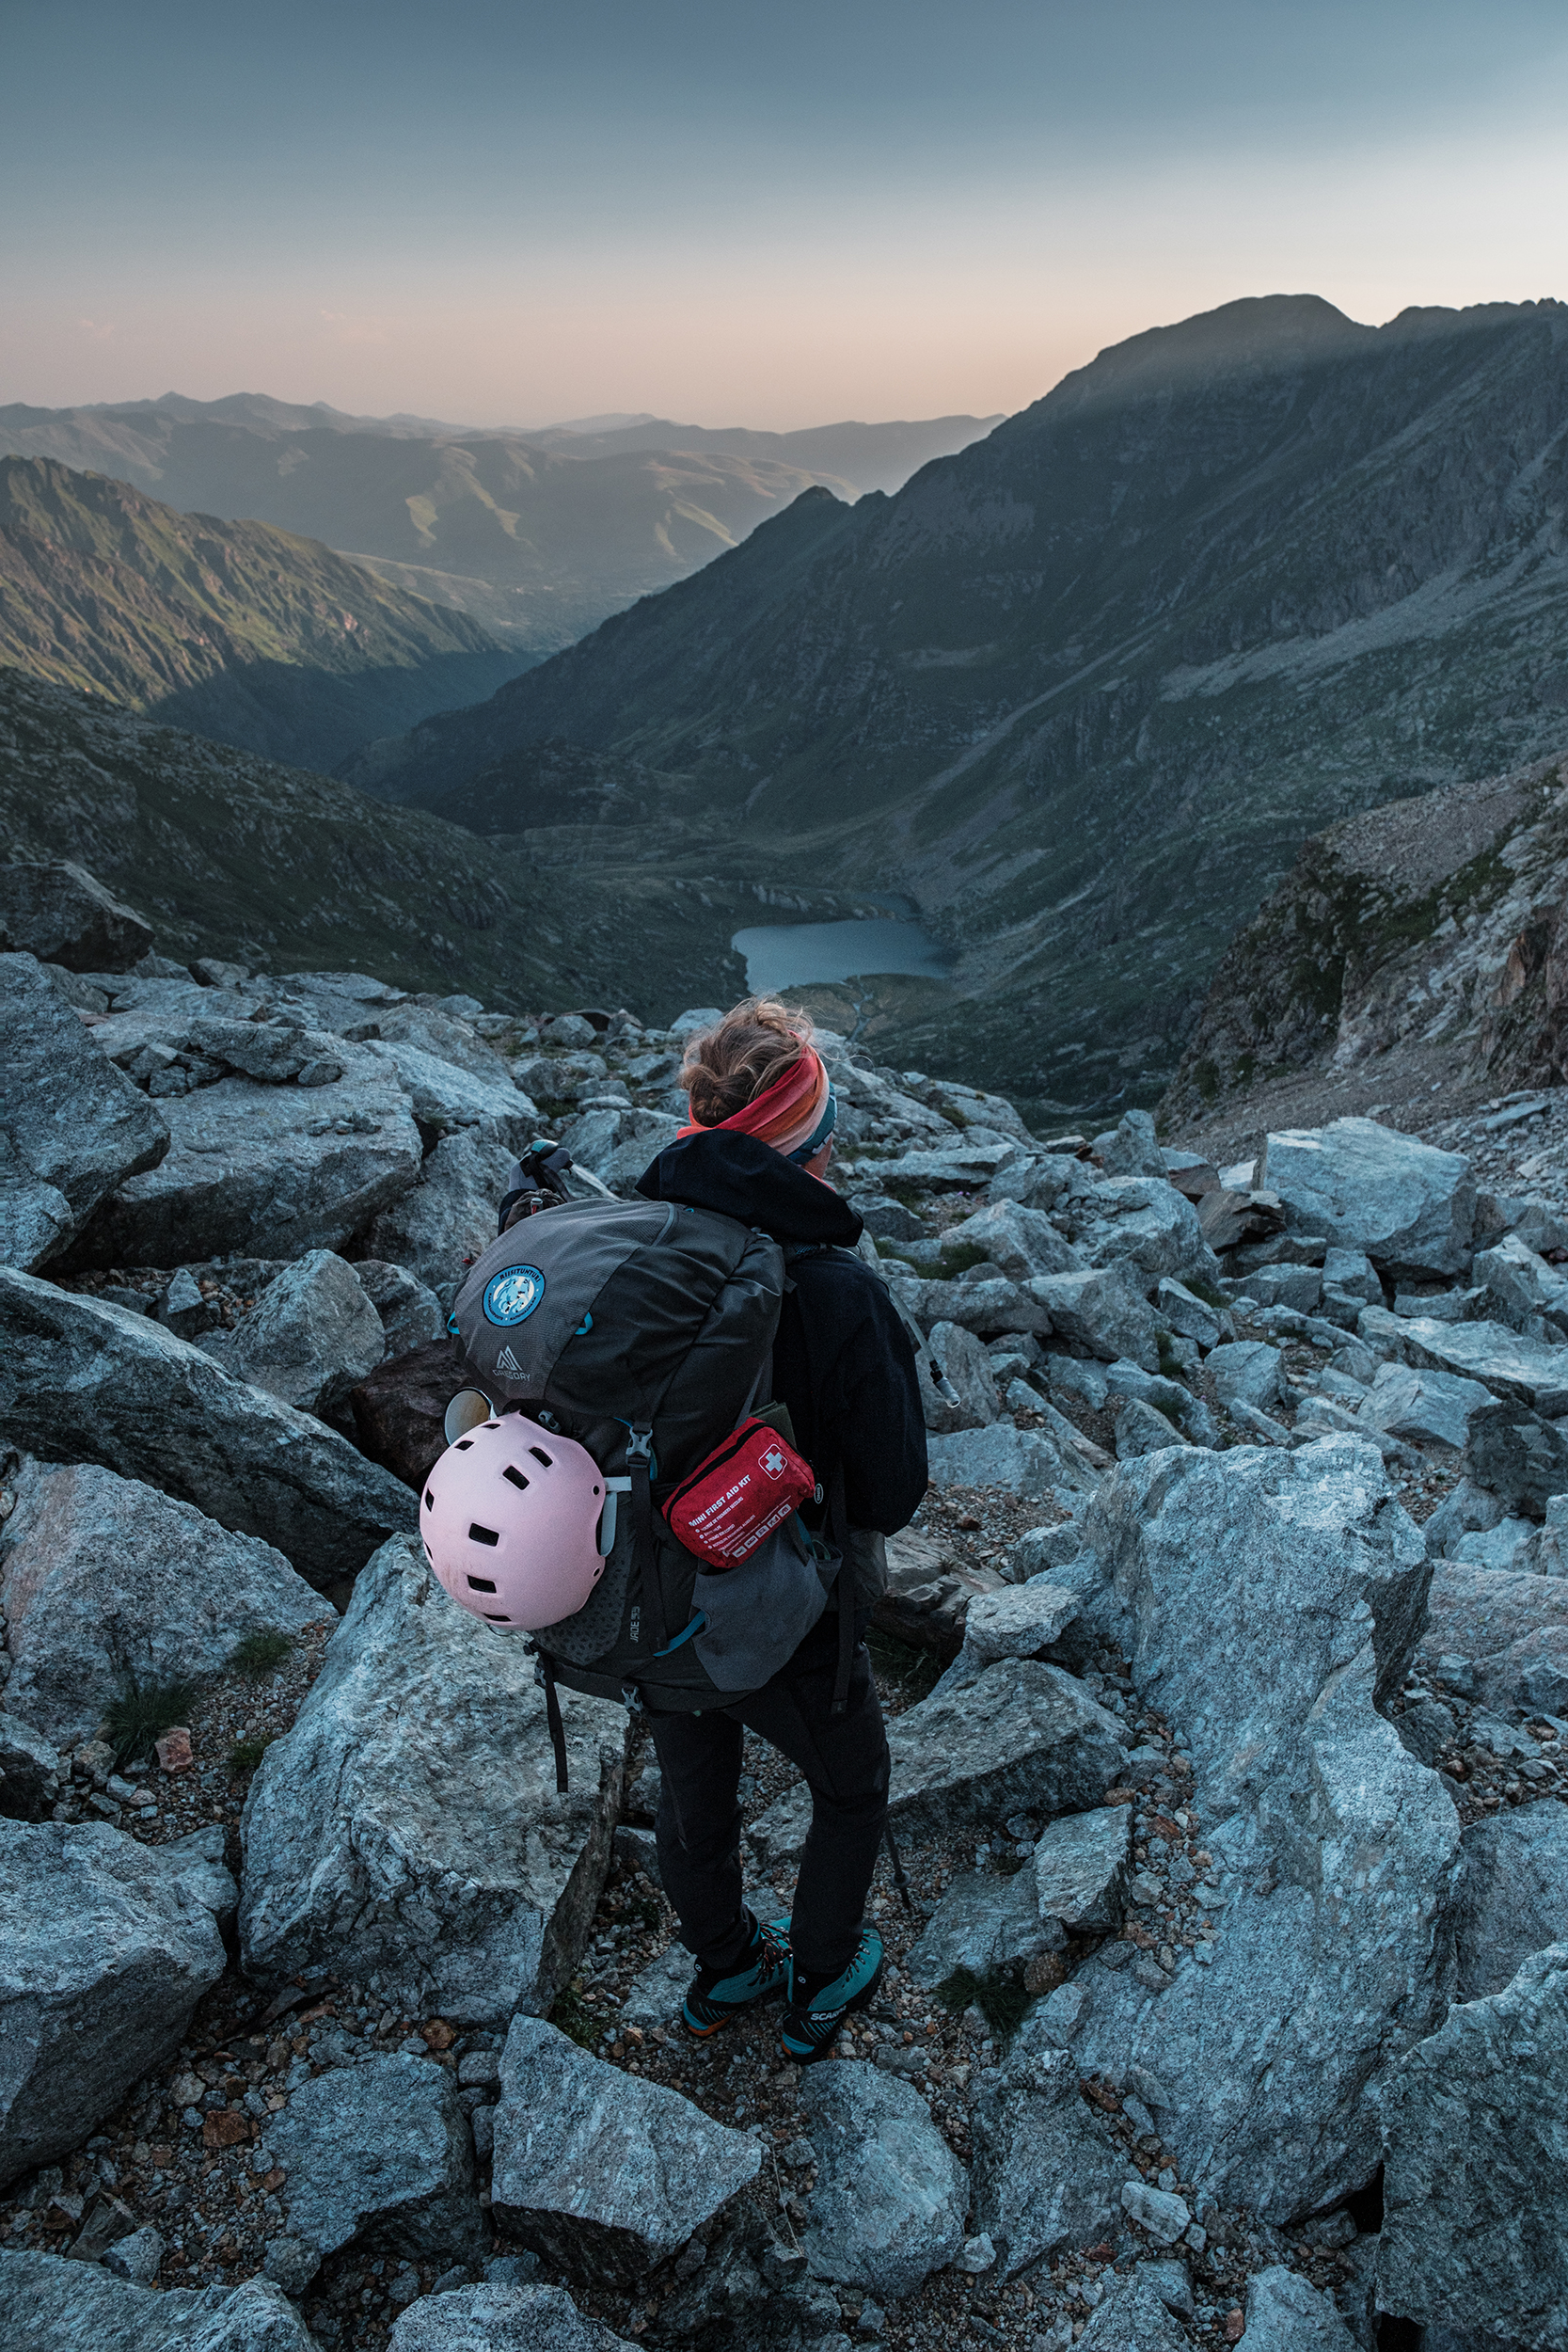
(1210, 1295)
(1000, 2001)
(914, 1672)
(261, 1653)
(1170, 1363)
(571, 2014)
(142, 1712)
(246, 1755)
(959, 1259)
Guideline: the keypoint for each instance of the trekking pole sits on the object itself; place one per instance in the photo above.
(899, 1879)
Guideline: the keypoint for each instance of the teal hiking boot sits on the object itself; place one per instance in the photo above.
(812, 2019)
(759, 1975)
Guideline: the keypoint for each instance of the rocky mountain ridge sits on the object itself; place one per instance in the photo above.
(1229, 2001)
(1080, 689)
(235, 631)
(536, 536)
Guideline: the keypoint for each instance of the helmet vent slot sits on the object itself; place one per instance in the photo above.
(541, 1457)
(480, 1585)
(515, 1476)
(478, 1535)
(492, 1618)
(462, 1444)
(429, 1500)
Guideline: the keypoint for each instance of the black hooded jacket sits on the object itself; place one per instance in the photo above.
(842, 1361)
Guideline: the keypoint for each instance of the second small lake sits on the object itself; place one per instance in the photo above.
(791, 955)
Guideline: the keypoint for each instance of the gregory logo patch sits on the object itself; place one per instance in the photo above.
(511, 1295)
(506, 1362)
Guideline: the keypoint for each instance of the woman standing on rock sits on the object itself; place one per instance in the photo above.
(757, 1148)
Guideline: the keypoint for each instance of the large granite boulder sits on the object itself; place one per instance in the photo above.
(1285, 2313)
(1516, 1456)
(1510, 1625)
(73, 1127)
(448, 1217)
(601, 2172)
(1028, 1461)
(1475, 2191)
(105, 1947)
(1133, 2318)
(67, 2306)
(1513, 1895)
(986, 1924)
(1022, 1242)
(268, 1169)
(106, 1581)
(408, 1829)
(1334, 1852)
(61, 913)
(380, 2152)
(889, 2204)
(310, 1337)
(617, 1145)
(1105, 1309)
(443, 1095)
(929, 1589)
(1145, 1224)
(1522, 1371)
(1047, 2176)
(1021, 1738)
(1424, 1408)
(81, 1380)
(1080, 1868)
(1409, 1207)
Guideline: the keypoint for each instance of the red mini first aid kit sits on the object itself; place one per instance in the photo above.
(734, 1499)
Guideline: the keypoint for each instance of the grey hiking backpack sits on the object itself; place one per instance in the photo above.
(644, 1330)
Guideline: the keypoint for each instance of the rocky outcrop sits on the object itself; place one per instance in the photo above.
(603, 2172)
(81, 1380)
(408, 1827)
(889, 2204)
(1475, 2223)
(1048, 2177)
(380, 2152)
(105, 1947)
(105, 1583)
(311, 1335)
(500, 2319)
(62, 915)
(72, 1127)
(79, 2307)
(1411, 1208)
(1514, 1896)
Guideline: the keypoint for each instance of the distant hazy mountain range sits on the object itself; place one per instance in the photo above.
(1081, 689)
(234, 629)
(537, 535)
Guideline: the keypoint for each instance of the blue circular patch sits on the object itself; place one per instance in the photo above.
(511, 1295)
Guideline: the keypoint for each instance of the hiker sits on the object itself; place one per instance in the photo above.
(694, 1423)
(757, 1148)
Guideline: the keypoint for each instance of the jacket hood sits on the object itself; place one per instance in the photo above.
(739, 1177)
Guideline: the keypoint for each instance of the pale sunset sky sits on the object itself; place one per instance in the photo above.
(740, 215)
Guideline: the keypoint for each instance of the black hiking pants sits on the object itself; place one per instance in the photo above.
(843, 1759)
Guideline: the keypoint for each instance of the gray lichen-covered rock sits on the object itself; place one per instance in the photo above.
(1247, 1371)
(889, 2204)
(380, 2152)
(1425, 1408)
(1048, 2177)
(1021, 1621)
(1022, 1242)
(444, 1093)
(1513, 1895)
(1511, 1625)
(1521, 1371)
(1475, 2191)
(1144, 1223)
(1517, 1456)
(599, 2169)
(1285, 2313)
(449, 1215)
(268, 1170)
(500, 2319)
(1411, 1208)
(81, 1380)
(310, 1336)
(1336, 1850)
(408, 1829)
(1105, 1309)
(28, 1770)
(1142, 1428)
(960, 1362)
(1028, 1461)
(73, 1127)
(989, 1925)
(61, 913)
(107, 1581)
(105, 1947)
(1133, 2318)
(1080, 1869)
(411, 1312)
(66, 2306)
(1024, 1736)
(617, 1145)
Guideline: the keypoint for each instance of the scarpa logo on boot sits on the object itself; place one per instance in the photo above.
(511, 1295)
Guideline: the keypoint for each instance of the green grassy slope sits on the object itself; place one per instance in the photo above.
(235, 628)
